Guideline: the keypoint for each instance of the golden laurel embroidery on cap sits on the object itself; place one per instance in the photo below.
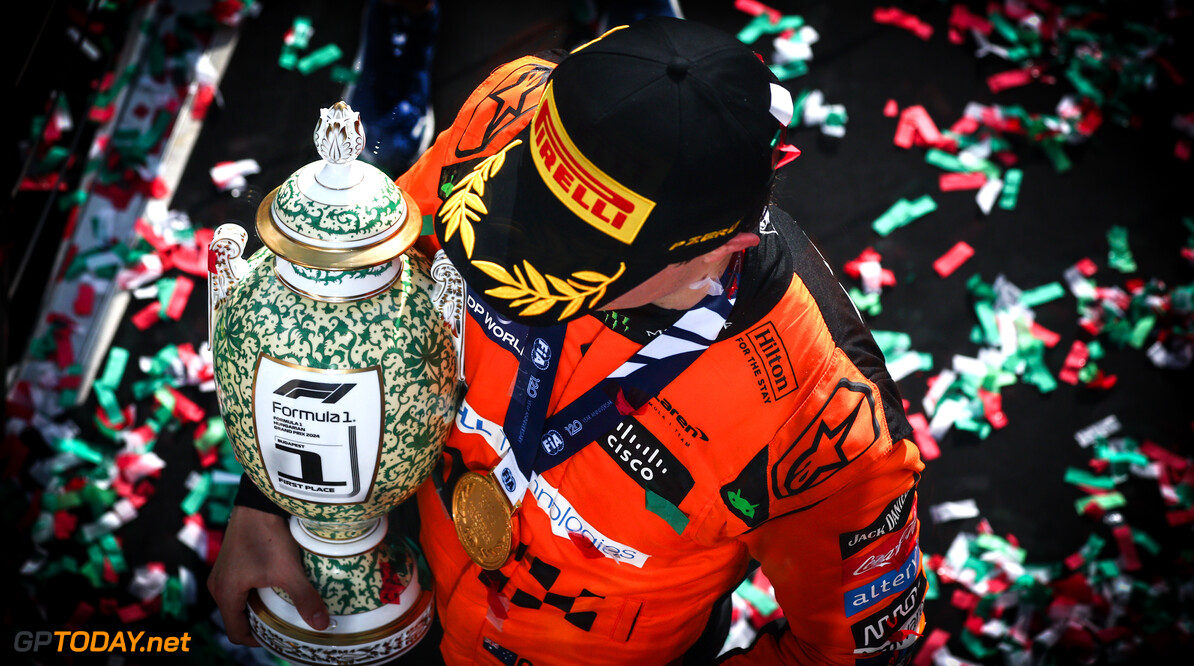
(587, 191)
(465, 206)
(534, 289)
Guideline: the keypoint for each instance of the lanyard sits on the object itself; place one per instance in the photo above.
(540, 443)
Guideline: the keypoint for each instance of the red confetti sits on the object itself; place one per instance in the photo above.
(585, 545)
(929, 646)
(950, 261)
(755, 8)
(84, 299)
(147, 316)
(993, 408)
(1127, 548)
(901, 19)
(952, 182)
(178, 299)
(185, 409)
(1044, 335)
(923, 437)
(131, 613)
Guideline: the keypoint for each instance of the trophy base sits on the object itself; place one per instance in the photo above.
(372, 637)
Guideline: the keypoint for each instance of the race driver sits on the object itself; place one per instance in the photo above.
(664, 368)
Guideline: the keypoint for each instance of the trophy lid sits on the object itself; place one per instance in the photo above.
(338, 213)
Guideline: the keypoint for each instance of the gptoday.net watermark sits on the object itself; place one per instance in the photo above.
(99, 641)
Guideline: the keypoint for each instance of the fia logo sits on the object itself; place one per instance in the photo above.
(508, 480)
(553, 442)
(573, 427)
(541, 354)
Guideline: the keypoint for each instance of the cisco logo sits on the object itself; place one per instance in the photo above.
(643, 459)
(647, 461)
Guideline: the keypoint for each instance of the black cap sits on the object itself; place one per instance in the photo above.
(651, 145)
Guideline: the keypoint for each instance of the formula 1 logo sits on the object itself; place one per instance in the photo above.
(329, 394)
(843, 429)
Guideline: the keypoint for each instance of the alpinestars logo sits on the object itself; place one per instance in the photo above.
(509, 101)
(329, 394)
(844, 428)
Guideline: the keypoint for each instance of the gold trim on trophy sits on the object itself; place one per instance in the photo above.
(321, 638)
(482, 516)
(338, 259)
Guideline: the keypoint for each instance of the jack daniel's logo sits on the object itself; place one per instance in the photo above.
(894, 516)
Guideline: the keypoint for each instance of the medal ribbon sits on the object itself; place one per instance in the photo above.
(540, 444)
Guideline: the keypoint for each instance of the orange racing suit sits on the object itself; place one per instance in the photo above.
(785, 443)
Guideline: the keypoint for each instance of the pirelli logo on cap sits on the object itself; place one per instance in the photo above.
(587, 191)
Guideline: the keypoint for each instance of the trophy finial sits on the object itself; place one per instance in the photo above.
(339, 135)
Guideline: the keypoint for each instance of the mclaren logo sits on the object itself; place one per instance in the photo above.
(329, 394)
(510, 100)
(844, 428)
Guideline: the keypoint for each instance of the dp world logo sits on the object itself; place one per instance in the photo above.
(508, 480)
(541, 354)
(553, 443)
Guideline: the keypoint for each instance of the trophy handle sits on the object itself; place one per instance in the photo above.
(449, 300)
(224, 267)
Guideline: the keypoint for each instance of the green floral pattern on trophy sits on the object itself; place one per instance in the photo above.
(338, 277)
(369, 216)
(399, 330)
(354, 584)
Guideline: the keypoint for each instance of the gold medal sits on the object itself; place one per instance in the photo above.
(482, 516)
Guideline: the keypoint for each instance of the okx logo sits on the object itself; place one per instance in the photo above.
(843, 429)
(881, 631)
(328, 394)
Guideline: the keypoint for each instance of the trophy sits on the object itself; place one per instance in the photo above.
(337, 379)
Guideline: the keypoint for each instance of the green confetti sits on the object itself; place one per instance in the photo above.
(669, 512)
(319, 58)
(1081, 477)
(1011, 189)
(1119, 256)
(757, 598)
(1107, 501)
(1042, 294)
(902, 213)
